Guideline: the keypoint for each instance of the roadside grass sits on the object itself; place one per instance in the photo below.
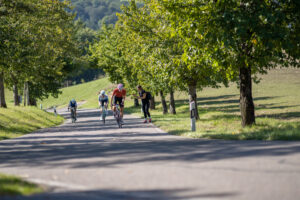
(11, 185)
(277, 107)
(17, 121)
(85, 94)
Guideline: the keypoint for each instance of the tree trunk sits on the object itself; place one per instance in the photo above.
(193, 97)
(163, 103)
(172, 103)
(16, 95)
(136, 103)
(32, 102)
(246, 100)
(152, 103)
(25, 94)
(2, 95)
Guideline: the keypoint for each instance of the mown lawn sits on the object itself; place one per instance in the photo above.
(277, 103)
(11, 185)
(86, 93)
(17, 121)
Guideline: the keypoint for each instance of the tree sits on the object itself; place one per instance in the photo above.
(245, 45)
(186, 65)
(39, 37)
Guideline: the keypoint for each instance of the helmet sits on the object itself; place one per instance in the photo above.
(120, 86)
(73, 100)
(102, 92)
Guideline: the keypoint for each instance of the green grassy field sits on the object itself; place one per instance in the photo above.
(86, 93)
(276, 98)
(11, 185)
(17, 121)
(277, 104)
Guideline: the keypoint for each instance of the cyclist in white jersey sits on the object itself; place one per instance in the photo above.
(103, 100)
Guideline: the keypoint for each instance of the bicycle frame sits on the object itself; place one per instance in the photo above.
(73, 114)
(118, 116)
(103, 114)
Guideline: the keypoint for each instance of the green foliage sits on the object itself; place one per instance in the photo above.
(191, 44)
(38, 40)
(96, 12)
(11, 185)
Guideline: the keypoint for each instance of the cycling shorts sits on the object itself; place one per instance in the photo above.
(118, 100)
(103, 101)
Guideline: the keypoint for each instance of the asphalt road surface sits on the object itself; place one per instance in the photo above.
(90, 161)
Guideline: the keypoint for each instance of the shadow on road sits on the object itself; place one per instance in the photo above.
(89, 143)
(178, 194)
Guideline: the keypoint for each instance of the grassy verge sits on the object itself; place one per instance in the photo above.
(11, 185)
(17, 121)
(86, 94)
(277, 105)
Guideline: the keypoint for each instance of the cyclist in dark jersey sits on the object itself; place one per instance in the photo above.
(73, 104)
(145, 103)
(118, 97)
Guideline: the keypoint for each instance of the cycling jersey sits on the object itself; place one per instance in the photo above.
(118, 93)
(103, 98)
(73, 104)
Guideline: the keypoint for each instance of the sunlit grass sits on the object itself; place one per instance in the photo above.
(277, 102)
(86, 93)
(11, 185)
(17, 121)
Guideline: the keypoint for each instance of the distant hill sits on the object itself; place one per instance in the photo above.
(94, 12)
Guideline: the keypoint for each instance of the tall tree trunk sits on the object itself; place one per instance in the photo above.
(172, 103)
(163, 103)
(32, 101)
(25, 94)
(16, 95)
(152, 103)
(2, 95)
(193, 97)
(246, 100)
(136, 103)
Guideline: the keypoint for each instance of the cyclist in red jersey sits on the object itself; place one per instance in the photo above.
(118, 97)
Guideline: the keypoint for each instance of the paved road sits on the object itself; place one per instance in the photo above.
(90, 161)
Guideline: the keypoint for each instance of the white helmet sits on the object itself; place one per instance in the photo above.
(102, 92)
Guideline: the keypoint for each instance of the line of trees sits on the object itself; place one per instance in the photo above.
(188, 45)
(39, 47)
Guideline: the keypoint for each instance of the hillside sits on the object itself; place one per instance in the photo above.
(17, 121)
(86, 92)
(94, 12)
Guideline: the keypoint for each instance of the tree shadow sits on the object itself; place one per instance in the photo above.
(286, 115)
(178, 194)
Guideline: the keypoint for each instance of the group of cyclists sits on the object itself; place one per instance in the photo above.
(118, 98)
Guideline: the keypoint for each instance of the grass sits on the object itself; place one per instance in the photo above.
(17, 121)
(11, 185)
(276, 101)
(86, 94)
(277, 104)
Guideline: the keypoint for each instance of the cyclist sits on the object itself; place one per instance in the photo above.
(73, 104)
(118, 97)
(103, 101)
(145, 103)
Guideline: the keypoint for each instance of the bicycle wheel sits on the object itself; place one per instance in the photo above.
(73, 116)
(103, 118)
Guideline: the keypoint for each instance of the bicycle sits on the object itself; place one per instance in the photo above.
(118, 116)
(103, 115)
(73, 117)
